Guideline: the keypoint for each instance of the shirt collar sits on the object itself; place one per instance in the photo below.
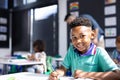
(91, 50)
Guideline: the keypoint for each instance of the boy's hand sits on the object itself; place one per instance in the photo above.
(54, 76)
(77, 74)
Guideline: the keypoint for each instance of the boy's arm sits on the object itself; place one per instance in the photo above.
(111, 75)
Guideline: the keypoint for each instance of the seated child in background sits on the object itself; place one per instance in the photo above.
(39, 55)
(116, 53)
(83, 58)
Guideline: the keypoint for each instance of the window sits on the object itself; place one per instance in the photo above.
(23, 2)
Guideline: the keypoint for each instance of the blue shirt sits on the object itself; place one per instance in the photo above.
(95, 60)
(116, 55)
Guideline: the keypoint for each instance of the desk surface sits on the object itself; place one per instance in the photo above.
(32, 76)
(24, 76)
(20, 62)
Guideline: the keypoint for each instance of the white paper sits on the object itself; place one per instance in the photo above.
(3, 29)
(110, 10)
(110, 43)
(110, 21)
(71, 78)
(3, 37)
(110, 32)
(3, 20)
(34, 76)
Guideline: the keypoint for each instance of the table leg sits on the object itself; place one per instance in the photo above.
(57, 64)
(5, 70)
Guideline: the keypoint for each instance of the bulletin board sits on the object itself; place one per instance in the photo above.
(111, 23)
(106, 13)
(4, 29)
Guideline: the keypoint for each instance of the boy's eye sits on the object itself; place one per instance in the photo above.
(81, 36)
(74, 38)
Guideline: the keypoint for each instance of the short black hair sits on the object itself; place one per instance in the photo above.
(39, 44)
(67, 16)
(80, 21)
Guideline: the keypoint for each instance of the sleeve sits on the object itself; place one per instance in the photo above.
(105, 61)
(67, 60)
(37, 55)
(43, 56)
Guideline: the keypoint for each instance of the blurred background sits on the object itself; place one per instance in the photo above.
(24, 21)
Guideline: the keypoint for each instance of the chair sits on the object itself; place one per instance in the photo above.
(49, 65)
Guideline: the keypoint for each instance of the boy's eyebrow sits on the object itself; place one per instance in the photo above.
(72, 35)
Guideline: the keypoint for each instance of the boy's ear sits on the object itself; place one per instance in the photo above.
(93, 34)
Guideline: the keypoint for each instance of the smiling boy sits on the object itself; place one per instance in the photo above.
(83, 58)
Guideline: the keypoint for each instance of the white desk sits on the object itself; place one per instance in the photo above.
(32, 76)
(24, 76)
(19, 62)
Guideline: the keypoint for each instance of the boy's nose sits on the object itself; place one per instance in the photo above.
(79, 40)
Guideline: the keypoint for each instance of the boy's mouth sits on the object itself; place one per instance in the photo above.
(79, 46)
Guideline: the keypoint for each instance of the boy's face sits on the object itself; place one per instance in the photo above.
(81, 37)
